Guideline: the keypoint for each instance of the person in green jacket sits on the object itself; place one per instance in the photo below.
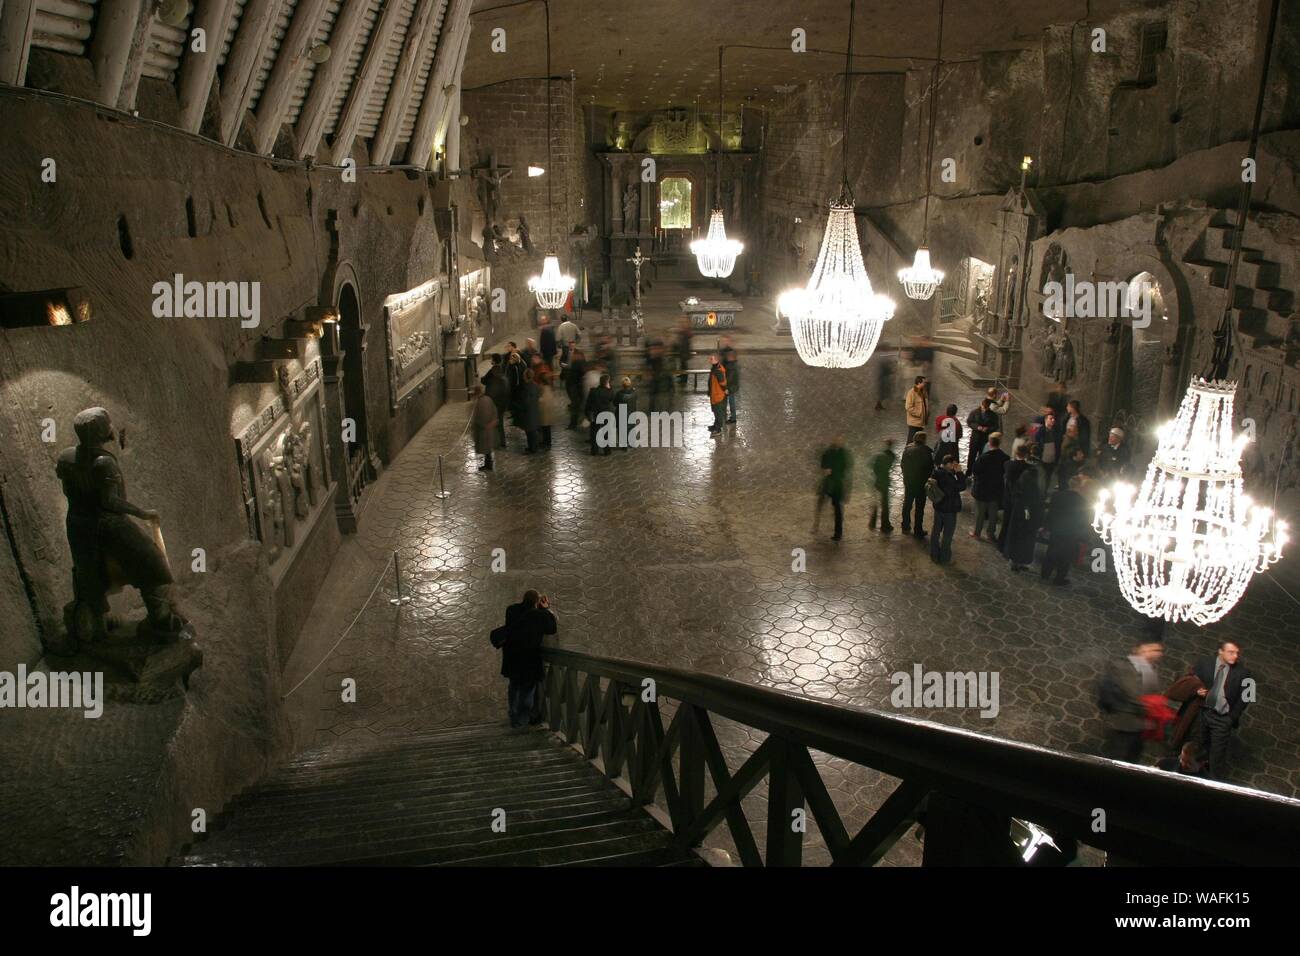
(837, 479)
(882, 468)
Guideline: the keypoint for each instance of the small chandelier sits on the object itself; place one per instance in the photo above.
(837, 318)
(920, 279)
(1187, 542)
(551, 288)
(716, 254)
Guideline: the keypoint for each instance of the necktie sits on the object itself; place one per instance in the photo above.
(1218, 700)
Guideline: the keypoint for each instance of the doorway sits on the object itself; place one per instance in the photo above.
(352, 339)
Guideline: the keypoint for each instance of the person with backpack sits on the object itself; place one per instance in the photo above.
(520, 643)
(1119, 697)
(944, 491)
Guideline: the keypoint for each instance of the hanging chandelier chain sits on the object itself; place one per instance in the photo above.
(550, 156)
(934, 109)
(845, 191)
(717, 160)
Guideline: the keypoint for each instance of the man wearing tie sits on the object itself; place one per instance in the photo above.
(1228, 688)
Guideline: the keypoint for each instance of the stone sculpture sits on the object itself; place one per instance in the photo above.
(525, 235)
(109, 548)
(631, 205)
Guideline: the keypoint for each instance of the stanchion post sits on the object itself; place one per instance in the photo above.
(442, 491)
(397, 577)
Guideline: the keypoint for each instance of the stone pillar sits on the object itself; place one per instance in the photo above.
(1110, 362)
(1171, 381)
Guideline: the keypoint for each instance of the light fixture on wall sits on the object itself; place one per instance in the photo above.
(48, 307)
(552, 287)
(535, 171)
(1187, 542)
(920, 279)
(715, 254)
(836, 319)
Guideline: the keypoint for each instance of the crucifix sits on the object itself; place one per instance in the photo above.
(490, 177)
(637, 261)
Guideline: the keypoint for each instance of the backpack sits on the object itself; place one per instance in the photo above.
(933, 491)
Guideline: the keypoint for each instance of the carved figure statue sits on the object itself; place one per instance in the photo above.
(489, 243)
(109, 549)
(1063, 359)
(525, 235)
(284, 488)
(631, 205)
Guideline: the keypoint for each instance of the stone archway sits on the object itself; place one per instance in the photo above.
(347, 394)
(1147, 383)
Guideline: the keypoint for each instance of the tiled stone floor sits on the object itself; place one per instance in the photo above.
(683, 557)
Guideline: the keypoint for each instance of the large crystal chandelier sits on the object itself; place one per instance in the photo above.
(552, 287)
(836, 319)
(716, 254)
(920, 279)
(1187, 542)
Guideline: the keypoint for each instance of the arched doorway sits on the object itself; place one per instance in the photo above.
(348, 383)
(1143, 380)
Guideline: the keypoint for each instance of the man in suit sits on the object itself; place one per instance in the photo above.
(521, 656)
(1229, 687)
(1129, 679)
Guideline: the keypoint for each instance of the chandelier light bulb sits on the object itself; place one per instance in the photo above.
(920, 279)
(836, 320)
(1187, 542)
(551, 288)
(716, 254)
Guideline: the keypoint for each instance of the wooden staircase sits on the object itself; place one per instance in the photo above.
(474, 796)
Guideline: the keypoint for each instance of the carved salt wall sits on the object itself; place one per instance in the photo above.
(414, 339)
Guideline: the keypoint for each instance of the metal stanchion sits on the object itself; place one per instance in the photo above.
(397, 577)
(442, 491)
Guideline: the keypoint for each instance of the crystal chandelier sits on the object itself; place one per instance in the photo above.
(552, 287)
(1188, 541)
(836, 319)
(716, 254)
(921, 279)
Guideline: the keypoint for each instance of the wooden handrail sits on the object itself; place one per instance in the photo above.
(1147, 815)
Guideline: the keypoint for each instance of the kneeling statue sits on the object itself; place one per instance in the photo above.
(109, 549)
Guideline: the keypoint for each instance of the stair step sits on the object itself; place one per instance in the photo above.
(575, 852)
(429, 765)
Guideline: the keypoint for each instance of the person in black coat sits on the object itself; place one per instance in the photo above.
(573, 375)
(521, 655)
(599, 400)
(943, 525)
(982, 423)
(988, 473)
(498, 389)
(624, 406)
(1011, 472)
(550, 347)
(1224, 700)
(530, 413)
(917, 466)
(1025, 516)
(1067, 522)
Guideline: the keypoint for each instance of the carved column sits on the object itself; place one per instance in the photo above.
(1110, 363)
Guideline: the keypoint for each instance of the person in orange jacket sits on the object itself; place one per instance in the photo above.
(717, 392)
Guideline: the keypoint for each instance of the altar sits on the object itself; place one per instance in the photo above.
(711, 313)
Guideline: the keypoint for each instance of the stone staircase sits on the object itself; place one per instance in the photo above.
(431, 800)
(954, 339)
(1262, 300)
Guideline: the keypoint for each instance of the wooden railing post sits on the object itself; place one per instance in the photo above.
(691, 752)
(785, 826)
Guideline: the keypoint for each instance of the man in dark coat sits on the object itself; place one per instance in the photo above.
(1025, 516)
(530, 413)
(882, 469)
(1114, 457)
(599, 400)
(624, 406)
(1082, 424)
(521, 656)
(837, 480)
(917, 467)
(550, 346)
(731, 365)
(1067, 522)
(1229, 688)
(948, 433)
(1011, 473)
(982, 423)
(987, 475)
(1124, 683)
(498, 389)
(943, 525)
